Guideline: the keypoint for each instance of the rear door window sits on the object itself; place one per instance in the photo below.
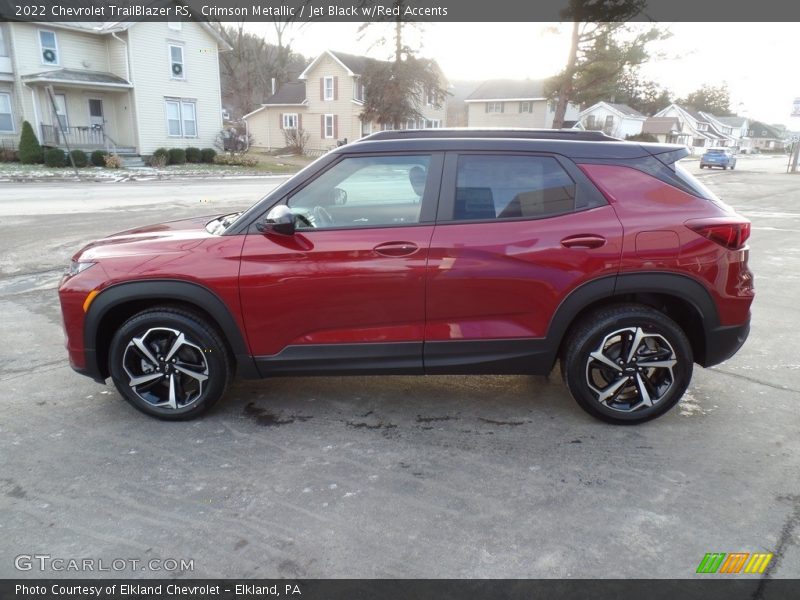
(497, 187)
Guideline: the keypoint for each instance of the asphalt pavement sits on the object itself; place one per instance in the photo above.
(389, 476)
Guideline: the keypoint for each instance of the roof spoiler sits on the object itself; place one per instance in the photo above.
(667, 154)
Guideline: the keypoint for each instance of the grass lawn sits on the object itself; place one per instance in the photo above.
(267, 165)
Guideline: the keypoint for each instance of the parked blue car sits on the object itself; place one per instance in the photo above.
(718, 157)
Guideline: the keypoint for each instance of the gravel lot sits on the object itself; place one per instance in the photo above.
(390, 476)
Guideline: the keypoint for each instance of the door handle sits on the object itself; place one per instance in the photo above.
(583, 241)
(396, 249)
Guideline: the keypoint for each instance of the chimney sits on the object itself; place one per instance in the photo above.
(273, 86)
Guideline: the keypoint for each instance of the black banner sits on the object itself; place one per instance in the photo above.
(379, 10)
(402, 589)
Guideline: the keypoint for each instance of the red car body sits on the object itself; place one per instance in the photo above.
(440, 296)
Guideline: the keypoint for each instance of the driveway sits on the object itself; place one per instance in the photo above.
(390, 476)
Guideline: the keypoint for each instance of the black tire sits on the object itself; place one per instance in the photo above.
(175, 388)
(611, 332)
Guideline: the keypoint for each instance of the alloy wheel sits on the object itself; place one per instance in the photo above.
(165, 369)
(631, 369)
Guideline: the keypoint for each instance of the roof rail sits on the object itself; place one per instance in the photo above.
(468, 132)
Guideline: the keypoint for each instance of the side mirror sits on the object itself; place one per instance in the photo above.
(280, 220)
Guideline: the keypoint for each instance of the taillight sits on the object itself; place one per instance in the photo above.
(731, 235)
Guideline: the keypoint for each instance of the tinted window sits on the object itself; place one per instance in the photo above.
(364, 192)
(511, 187)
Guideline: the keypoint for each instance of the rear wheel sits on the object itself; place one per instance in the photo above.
(169, 363)
(627, 364)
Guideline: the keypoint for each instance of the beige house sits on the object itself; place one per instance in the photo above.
(326, 103)
(514, 103)
(127, 87)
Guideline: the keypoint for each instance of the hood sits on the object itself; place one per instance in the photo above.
(161, 238)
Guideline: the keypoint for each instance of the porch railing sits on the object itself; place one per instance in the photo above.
(87, 137)
(76, 137)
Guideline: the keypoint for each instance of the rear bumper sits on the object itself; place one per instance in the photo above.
(723, 342)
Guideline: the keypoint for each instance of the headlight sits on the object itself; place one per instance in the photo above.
(78, 266)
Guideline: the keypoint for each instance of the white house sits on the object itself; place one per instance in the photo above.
(698, 130)
(617, 120)
(130, 87)
(514, 103)
(326, 104)
(740, 130)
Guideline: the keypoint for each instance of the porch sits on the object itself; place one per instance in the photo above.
(81, 137)
(84, 110)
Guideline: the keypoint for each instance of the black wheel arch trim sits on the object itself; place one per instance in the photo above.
(606, 288)
(163, 290)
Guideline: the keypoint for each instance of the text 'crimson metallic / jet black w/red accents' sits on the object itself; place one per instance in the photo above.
(429, 251)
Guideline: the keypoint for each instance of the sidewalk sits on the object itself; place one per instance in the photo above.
(17, 173)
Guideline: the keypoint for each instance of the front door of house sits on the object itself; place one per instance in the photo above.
(96, 119)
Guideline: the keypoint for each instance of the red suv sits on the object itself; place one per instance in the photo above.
(436, 251)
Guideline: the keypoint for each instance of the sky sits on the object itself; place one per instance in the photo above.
(758, 61)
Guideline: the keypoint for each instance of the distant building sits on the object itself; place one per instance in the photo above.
(326, 103)
(130, 86)
(513, 103)
(766, 137)
(699, 130)
(617, 120)
(667, 130)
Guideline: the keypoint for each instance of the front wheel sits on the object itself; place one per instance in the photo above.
(627, 364)
(169, 363)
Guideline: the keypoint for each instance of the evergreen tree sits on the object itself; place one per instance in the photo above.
(30, 152)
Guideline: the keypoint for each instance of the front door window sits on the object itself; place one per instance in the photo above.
(374, 191)
(96, 119)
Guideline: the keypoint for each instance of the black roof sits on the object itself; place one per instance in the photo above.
(483, 133)
(289, 93)
(573, 143)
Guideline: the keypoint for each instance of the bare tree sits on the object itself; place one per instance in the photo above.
(247, 71)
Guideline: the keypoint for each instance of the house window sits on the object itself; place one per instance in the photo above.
(181, 118)
(494, 107)
(328, 89)
(590, 122)
(358, 90)
(6, 118)
(174, 25)
(609, 125)
(526, 107)
(702, 127)
(432, 99)
(189, 113)
(48, 46)
(60, 100)
(433, 123)
(290, 120)
(329, 129)
(176, 67)
(387, 127)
